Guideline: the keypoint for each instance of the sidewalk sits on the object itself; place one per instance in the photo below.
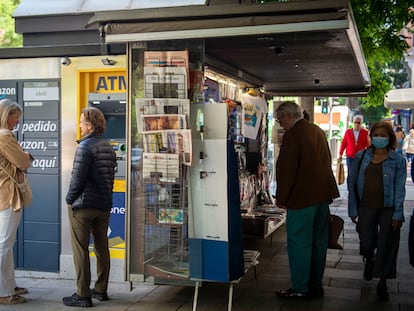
(344, 286)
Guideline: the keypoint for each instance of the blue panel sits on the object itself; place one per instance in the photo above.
(46, 205)
(215, 261)
(41, 256)
(236, 258)
(209, 260)
(196, 258)
(42, 232)
(117, 220)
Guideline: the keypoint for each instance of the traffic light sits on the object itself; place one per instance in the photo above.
(324, 107)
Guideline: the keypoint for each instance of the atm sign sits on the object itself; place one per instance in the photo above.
(110, 82)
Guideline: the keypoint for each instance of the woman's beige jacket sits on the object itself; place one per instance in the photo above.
(16, 162)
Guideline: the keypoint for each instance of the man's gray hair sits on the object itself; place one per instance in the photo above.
(290, 108)
(358, 117)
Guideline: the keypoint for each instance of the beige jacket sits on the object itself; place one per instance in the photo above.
(16, 162)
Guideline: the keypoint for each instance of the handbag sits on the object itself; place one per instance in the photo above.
(335, 227)
(340, 172)
(25, 190)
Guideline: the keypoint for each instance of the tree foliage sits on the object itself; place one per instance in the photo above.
(8, 38)
(379, 25)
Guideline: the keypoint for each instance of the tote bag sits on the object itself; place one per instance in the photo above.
(340, 172)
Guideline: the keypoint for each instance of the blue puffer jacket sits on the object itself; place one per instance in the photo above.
(93, 174)
(394, 176)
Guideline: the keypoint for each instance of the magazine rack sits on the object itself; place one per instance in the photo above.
(162, 123)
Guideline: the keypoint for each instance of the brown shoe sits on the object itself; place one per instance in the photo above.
(12, 300)
(20, 290)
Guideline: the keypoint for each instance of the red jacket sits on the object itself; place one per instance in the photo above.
(349, 144)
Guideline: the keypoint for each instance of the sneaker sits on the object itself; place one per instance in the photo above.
(77, 301)
(99, 296)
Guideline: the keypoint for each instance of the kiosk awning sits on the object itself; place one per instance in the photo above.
(289, 48)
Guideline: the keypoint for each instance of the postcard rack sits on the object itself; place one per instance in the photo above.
(166, 211)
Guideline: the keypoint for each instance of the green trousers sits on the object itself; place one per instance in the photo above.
(307, 237)
(84, 222)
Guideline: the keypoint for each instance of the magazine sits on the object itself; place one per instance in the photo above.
(171, 216)
(174, 141)
(162, 122)
(161, 106)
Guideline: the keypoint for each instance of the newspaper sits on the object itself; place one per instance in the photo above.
(172, 141)
(166, 59)
(165, 82)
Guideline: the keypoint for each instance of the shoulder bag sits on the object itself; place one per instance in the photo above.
(25, 190)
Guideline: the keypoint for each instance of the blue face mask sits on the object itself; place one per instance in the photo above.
(380, 142)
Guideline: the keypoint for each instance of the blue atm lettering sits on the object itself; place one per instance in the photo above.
(109, 83)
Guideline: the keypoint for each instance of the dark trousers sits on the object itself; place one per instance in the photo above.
(378, 240)
(84, 222)
(349, 161)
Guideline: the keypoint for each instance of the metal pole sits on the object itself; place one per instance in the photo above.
(330, 118)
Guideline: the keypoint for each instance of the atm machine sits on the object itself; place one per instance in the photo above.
(113, 106)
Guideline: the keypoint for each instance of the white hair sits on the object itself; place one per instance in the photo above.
(359, 117)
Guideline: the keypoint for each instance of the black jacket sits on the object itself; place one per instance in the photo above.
(92, 174)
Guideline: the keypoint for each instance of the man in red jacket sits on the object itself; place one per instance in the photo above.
(355, 139)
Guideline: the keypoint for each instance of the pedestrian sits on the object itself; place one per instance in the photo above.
(14, 162)
(408, 145)
(305, 187)
(400, 135)
(354, 140)
(89, 201)
(376, 203)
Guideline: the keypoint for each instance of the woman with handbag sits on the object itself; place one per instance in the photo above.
(14, 162)
(376, 204)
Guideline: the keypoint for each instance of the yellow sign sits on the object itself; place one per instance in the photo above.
(119, 185)
(109, 82)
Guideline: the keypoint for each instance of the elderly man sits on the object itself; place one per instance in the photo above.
(355, 139)
(305, 188)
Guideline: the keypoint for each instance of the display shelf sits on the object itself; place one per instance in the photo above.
(263, 221)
